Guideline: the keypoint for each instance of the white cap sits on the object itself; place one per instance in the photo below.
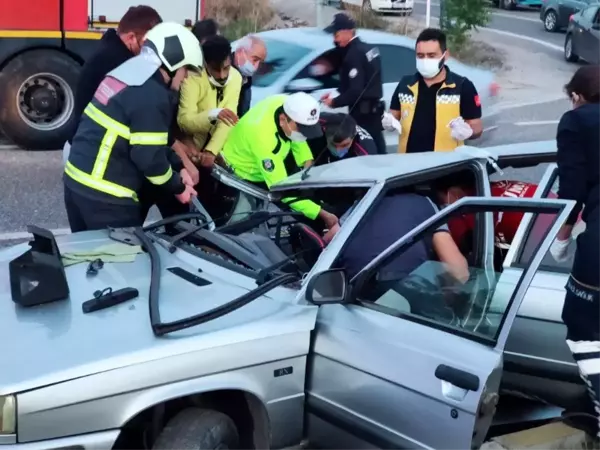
(304, 110)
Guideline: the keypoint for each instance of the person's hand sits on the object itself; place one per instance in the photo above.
(327, 101)
(186, 178)
(325, 96)
(460, 130)
(390, 123)
(225, 115)
(186, 196)
(207, 160)
(559, 248)
(193, 172)
(330, 220)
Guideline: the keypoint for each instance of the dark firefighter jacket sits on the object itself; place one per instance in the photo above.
(123, 137)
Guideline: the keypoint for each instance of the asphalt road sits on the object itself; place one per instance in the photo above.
(524, 22)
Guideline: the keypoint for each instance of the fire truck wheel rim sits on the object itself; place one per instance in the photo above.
(39, 91)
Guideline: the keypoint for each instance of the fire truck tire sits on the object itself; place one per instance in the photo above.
(37, 98)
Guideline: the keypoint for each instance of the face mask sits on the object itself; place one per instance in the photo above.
(296, 136)
(338, 152)
(429, 67)
(217, 83)
(247, 69)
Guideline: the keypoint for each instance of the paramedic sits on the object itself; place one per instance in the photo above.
(578, 161)
(123, 136)
(272, 131)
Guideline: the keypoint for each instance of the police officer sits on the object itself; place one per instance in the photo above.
(123, 135)
(274, 130)
(342, 139)
(578, 142)
(360, 79)
(434, 109)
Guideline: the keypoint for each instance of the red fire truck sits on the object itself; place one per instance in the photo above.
(43, 44)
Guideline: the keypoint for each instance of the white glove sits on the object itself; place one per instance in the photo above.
(558, 249)
(460, 130)
(390, 123)
(213, 114)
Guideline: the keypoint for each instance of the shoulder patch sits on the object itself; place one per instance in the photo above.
(108, 88)
(353, 73)
(268, 165)
(372, 54)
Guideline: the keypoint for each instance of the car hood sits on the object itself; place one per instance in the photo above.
(51, 343)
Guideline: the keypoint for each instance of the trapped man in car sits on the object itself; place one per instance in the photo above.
(434, 109)
(272, 131)
(342, 138)
(578, 142)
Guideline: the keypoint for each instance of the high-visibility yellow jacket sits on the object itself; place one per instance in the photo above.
(198, 96)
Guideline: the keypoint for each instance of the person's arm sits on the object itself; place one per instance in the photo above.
(189, 118)
(470, 107)
(302, 154)
(572, 162)
(357, 82)
(272, 168)
(231, 98)
(395, 102)
(149, 127)
(448, 253)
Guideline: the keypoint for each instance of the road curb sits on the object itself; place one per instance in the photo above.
(554, 436)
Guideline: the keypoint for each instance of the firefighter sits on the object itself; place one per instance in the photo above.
(578, 142)
(273, 130)
(115, 48)
(123, 136)
(360, 79)
(342, 139)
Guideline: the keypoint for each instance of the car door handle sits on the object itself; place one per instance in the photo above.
(457, 377)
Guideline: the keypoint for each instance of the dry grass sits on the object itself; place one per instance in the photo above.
(480, 54)
(365, 18)
(240, 17)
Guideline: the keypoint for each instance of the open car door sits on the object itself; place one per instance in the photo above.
(415, 362)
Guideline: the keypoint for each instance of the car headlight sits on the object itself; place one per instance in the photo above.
(8, 414)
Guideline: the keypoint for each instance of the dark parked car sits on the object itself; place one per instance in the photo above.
(555, 13)
(583, 36)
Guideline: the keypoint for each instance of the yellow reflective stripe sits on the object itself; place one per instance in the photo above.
(106, 122)
(161, 179)
(104, 152)
(149, 139)
(99, 185)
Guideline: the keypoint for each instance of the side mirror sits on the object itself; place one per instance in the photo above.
(304, 85)
(330, 286)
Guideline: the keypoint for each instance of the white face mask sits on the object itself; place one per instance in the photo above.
(296, 136)
(429, 67)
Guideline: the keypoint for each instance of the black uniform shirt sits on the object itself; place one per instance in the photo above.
(360, 75)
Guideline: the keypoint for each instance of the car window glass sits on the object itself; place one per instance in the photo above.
(281, 56)
(328, 61)
(424, 289)
(396, 62)
(536, 232)
(589, 14)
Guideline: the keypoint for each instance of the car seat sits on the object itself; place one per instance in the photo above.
(305, 240)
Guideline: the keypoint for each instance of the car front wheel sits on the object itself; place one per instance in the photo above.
(551, 21)
(570, 54)
(198, 429)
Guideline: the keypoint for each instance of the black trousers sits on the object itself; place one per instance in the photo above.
(581, 314)
(85, 214)
(372, 123)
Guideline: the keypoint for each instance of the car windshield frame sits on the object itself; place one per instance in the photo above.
(282, 60)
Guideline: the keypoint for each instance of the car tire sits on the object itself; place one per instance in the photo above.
(45, 76)
(569, 51)
(551, 21)
(198, 429)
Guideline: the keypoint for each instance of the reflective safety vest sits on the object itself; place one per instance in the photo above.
(122, 138)
(447, 108)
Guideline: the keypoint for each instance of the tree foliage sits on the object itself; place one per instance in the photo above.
(460, 17)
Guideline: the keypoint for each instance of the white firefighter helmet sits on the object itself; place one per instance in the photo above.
(175, 45)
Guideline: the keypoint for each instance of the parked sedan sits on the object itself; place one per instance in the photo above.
(583, 36)
(291, 54)
(555, 13)
(382, 6)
